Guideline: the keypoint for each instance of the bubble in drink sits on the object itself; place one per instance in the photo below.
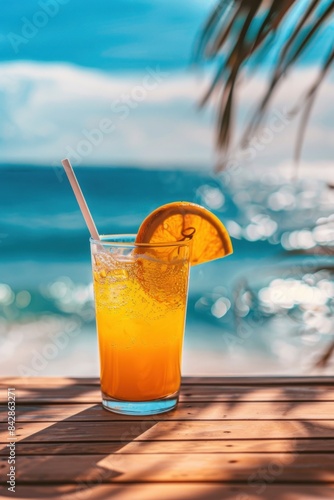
(140, 311)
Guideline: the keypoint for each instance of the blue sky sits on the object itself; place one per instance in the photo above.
(68, 65)
(116, 36)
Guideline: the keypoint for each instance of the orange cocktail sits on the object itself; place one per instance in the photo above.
(140, 298)
(141, 287)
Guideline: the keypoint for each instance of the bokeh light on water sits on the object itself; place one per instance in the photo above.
(286, 312)
(69, 297)
(290, 309)
(297, 215)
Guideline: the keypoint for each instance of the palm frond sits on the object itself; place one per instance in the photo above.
(325, 357)
(217, 15)
(280, 70)
(309, 36)
(237, 32)
(218, 42)
(307, 104)
(212, 49)
(301, 131)
(299, 27)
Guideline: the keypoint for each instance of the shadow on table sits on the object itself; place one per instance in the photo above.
(78, 456)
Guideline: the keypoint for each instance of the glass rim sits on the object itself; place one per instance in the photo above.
(104, 241)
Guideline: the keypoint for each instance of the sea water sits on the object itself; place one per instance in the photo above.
(237, 320)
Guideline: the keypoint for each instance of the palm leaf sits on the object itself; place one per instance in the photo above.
(216, 16)
(224, 33)
(298, 29)
(278, 71)
(233, 56)
(235, 34)
(325, 357)
(308, 104)
(271, 21)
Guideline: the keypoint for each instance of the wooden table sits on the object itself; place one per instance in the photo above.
(230, 438)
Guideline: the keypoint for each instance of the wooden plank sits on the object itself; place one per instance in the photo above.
(206, 380)
(142, 430)
(89, 394)
(260, 380)
(248, 468)
(6, 382)
(56, 412)
(206, 446)
(279, 394)
(78, 393)
(179, 491)
(185, 411)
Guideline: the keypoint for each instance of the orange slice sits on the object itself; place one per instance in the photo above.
(181, 221)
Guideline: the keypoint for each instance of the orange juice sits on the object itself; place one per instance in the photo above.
(140, 313)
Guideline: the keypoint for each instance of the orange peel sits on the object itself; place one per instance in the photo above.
(182, 221)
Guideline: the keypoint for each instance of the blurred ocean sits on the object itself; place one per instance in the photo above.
(268, 308)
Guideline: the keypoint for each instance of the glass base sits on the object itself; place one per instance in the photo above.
(140, 408)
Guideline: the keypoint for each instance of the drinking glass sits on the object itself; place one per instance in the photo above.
(140, 299)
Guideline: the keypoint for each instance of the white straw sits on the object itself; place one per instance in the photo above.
(80, 199)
